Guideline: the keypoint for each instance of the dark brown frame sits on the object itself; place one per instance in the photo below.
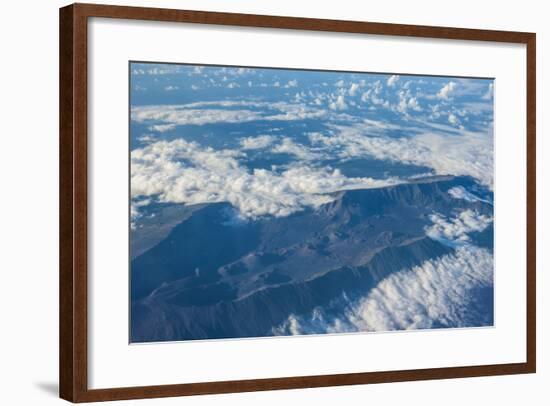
(73, 361)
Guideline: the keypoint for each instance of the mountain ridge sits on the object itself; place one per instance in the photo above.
(214, 278)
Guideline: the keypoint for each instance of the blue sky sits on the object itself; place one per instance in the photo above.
(275, 141)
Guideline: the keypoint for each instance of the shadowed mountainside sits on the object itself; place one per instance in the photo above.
(212, 276)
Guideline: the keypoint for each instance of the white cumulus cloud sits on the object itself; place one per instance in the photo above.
(453, 119)
(446, 90)
(291, 83)
(258, 142)
(184, 172)
(162, 127)
(339, 103)
(392, 80)
(459, 192)
(353, 89)
(455, 230)
(437, 293)
(288, 146)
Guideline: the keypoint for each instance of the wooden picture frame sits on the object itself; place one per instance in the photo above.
(73, 279)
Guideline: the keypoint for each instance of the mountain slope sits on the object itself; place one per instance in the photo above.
(214, 277)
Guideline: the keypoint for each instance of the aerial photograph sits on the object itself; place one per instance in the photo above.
(269, 202)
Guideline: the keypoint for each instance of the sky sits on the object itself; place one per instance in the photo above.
(276, 141)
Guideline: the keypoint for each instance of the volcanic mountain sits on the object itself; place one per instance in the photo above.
(203, 273)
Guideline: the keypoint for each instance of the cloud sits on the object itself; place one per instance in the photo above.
(438, 293)
(455, 230)
(462, 153)
(258, 142)
(178, 115)
(446, 90)
(135, 214)
(489, 94)
(338, 104)
(392, 80)
(353, 89)
(406, 102)
(413, 104)
(288, 146)
(195, 114)
(291, 83)
(171, 88)
(299, 97)
(184, 172)
(146, 138)
(292, 112)
(373, 95)
(459, 192)
(243, 71)
(162, 127)
(453, 119)
(154, 70)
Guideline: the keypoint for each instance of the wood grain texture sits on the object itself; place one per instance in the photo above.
(73, 204)
(66, 130)
(73, 376)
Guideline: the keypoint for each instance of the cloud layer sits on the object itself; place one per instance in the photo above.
(419, 121)
(459, 192)
(437, 293)
(463, 153)
(455, 230)
(184, 172)
(222, 112)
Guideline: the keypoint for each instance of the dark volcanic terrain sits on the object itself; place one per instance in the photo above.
(201, 274)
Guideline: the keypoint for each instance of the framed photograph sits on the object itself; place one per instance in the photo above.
(255, 202)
